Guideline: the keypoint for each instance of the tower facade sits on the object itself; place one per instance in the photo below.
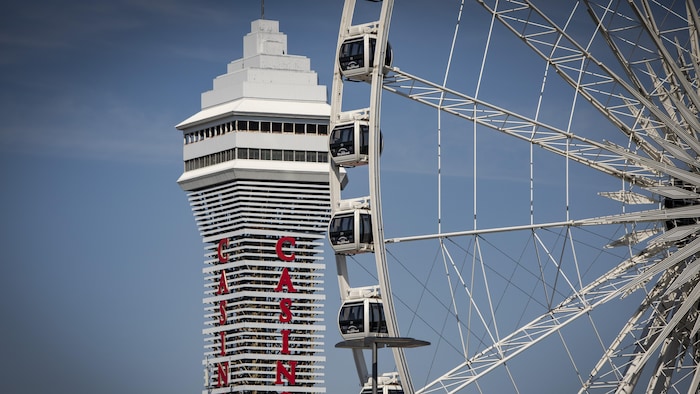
(256, 176)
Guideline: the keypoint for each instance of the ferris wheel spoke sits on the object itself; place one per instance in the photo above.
(639, 61)
(598, 292)
(645, 15)
(675, 309)
(446, 257)
(639, 329)
(597, 155)
(694, 42)
(652, 215)
(615, 283)
(622, 34)
(619, 101)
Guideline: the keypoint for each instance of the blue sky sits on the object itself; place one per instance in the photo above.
(103, 285)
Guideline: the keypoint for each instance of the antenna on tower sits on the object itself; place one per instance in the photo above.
(262, 9)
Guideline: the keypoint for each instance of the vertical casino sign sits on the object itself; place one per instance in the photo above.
(285, 286)
(222, 368)
(285, 368)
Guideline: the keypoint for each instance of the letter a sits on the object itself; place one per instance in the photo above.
(285, 280)
(223, 286)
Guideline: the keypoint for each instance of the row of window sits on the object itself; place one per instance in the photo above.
(256, 154)
(256, 126)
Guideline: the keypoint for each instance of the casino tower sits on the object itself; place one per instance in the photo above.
(256, 177)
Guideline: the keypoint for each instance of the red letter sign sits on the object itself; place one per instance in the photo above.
(285, 311)
(290, 375)
(285, 341)
(285, 257)
(222, 244)
(285, 280)
(223, 286)
(222, 335)
(222, 312)
(222, 372)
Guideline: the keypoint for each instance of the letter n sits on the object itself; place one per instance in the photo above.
(290, 375)
(222, 372)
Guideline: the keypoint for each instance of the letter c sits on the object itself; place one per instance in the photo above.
(280, 253)
(222, 244)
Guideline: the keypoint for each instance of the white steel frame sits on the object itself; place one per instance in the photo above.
(658, 114)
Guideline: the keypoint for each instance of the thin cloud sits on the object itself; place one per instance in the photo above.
(102, 129)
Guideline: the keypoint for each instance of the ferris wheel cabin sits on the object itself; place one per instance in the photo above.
(350, 231)
(387, 383)
(349, 143)
(362, 315)
(356, 57)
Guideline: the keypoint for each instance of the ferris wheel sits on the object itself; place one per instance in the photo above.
(552, 244)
